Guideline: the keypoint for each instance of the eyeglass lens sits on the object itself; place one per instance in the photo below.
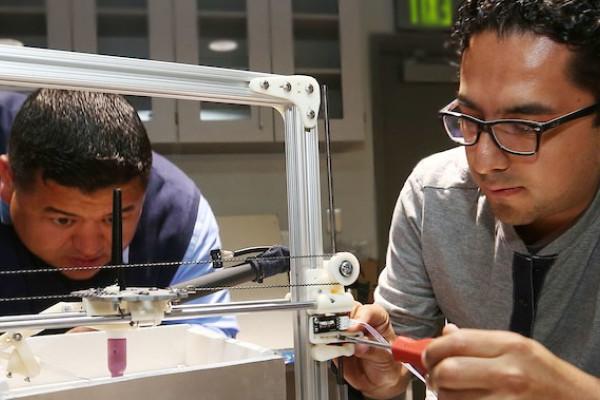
(512, 136)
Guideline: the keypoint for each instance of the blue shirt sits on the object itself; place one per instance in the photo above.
(10, 103)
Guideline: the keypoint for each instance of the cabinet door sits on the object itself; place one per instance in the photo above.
(137, 29)
(230, 34)
(37, 23)
(322, 39)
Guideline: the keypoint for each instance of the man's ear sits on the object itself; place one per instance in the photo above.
(6, 179)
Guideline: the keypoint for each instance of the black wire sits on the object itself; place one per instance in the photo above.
(250, 250)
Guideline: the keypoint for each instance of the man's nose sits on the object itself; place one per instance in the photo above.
(486, 156)
(89, 239)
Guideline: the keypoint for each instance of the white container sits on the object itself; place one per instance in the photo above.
(175, 362)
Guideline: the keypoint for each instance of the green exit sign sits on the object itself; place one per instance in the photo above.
(425, 13)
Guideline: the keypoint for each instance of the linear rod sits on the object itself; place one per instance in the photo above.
(59, 315)
(178, 313)
(30, 317)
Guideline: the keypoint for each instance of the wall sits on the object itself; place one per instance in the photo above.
(237, 184)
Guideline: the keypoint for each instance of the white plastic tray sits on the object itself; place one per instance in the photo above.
(167, 362)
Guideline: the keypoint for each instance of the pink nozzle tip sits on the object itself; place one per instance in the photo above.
(117, 356)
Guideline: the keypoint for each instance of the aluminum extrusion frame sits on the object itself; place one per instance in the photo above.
(30, 67)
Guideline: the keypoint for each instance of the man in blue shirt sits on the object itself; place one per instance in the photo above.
(66, 152)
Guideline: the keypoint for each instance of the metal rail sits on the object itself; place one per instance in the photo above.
(30, 67)
(178, 313)
(304, 219)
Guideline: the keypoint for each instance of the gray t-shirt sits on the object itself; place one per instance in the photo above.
(450, 258)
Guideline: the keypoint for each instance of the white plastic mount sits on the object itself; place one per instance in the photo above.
(146, 306)
(301, 90)
(20, 359)
(331, 317)
(17, 353)
(343, 268)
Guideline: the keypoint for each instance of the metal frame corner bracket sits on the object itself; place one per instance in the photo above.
(301, 90)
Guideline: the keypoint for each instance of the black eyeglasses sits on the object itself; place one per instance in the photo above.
(515, 136)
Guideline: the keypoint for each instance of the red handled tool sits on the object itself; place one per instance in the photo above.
(404, 349)
(407, 350)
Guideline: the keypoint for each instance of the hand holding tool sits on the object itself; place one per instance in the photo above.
(403, 349)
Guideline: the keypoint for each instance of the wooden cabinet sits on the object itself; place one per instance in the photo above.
(307, 37)
(230, 34)
(131, 28)
(37, 23)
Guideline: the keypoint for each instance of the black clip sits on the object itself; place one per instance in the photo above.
(217, 258)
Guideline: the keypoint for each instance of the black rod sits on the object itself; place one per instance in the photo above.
(117, 237)
(214, 282)
(332, 231)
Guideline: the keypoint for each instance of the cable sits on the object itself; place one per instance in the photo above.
(379, 338)
(12, 270)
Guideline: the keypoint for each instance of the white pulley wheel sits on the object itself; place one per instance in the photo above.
(343, 268)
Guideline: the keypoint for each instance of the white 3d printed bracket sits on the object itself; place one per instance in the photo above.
(331, 317)
(303, 91)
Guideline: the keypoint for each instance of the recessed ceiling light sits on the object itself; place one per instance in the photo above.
(223, 45)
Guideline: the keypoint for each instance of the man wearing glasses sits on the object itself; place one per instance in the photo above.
(501, 237)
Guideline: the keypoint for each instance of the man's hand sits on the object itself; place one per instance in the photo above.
(476, 364)
(372, 370)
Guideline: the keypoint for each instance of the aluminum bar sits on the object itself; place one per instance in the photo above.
(31, 67)
(177, 314)
(237, 303)
(28, 67)
(60, 315)
(306, 237)
(60, 323)
(185, 313)
(30, 317)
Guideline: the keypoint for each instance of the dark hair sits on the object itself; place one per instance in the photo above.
(575, 23)
(79, 139)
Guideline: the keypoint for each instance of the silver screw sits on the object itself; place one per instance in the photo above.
(311, 114)
(17, 337)
(264, 85)
(288, 87)
(346, 269)
(310, 89)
